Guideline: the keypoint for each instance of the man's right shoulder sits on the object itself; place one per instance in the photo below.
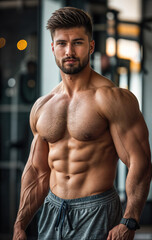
(36, 109)
(41, 101)
(39, 106)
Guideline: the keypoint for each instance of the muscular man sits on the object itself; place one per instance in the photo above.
(80, 130)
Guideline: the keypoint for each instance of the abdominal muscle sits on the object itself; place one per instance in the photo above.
(80, 169)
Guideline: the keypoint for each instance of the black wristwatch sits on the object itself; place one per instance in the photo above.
(130, 223)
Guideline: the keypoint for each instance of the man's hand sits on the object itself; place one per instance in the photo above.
(121, 232)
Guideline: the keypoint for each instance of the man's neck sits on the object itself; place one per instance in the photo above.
(76, 82)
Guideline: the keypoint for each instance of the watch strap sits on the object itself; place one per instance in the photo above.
(126, 221)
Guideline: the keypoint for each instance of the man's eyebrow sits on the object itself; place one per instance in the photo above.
(74, 40)
(78, 39)
(60, 40)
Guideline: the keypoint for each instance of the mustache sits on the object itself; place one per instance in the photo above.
(69, 58)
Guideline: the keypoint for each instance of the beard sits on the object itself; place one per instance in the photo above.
(71, 68)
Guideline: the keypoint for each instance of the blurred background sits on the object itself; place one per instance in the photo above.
(123, 53)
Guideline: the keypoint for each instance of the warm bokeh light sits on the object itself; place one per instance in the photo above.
(129, 30)
(110, 46)
(126, 49)
(2, 42)
(22, 44)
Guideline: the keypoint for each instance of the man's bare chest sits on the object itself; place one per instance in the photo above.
(79, 118)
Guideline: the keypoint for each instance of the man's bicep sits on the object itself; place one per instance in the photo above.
(131, 142)
(38, 157)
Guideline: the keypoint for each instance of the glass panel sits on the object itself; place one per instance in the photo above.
(18, 91)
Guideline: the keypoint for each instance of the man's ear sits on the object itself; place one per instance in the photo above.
(92, 46)
(52, 46)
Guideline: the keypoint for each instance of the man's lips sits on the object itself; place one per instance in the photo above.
(70, 60)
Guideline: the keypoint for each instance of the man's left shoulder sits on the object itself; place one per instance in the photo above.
(116, 95)
(124, 97)
(117, 103)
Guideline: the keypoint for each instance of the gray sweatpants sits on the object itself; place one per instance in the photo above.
(88, 218)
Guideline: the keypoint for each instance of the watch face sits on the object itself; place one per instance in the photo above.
(132, 224)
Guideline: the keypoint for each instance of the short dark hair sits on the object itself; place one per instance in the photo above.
(68, 17)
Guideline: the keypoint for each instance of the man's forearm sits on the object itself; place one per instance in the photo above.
(33, 192)
(137, 188)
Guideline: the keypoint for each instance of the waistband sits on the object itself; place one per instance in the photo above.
(102, 198)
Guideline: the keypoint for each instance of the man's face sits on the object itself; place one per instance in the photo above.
(72, 49)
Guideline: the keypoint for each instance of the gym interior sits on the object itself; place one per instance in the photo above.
(123, 53)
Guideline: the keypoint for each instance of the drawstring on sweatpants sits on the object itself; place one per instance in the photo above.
(61, 216)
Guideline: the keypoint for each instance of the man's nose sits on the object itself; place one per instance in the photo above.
(69, 50)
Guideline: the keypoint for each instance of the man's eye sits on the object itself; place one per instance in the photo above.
(61, 43)
(78, 43)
